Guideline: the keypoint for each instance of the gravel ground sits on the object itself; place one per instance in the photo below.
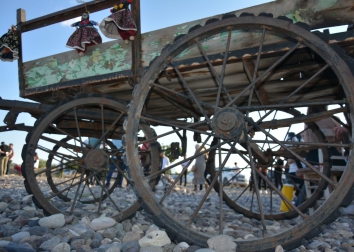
(23, 227)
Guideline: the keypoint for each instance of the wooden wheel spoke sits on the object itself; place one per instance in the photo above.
(194, 215)
(219, 79)
(65, 157)
(195, 99)
(180, 97)
(300, 119)
(105, 132)
(263, 74)
(254, 169)
(251, 71)
(108, 194)
(114, 162)
(198, 127)
(72, 185)
(222, 76)
(155, 174)
(284, 198)
(294, 154)
(298, 89)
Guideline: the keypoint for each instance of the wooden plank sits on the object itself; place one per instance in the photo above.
(250, 69)
(60, 16)
(313, 12)
(21, 17)
(316, 13)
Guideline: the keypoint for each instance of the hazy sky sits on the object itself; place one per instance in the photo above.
(156, 14)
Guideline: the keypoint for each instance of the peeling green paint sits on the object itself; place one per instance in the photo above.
(182, 27)
(178, 33)
(296, 16)
(151, 56)
(155, 44)
(52, 71)
(184, 53)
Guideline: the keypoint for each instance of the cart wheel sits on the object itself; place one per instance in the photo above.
(225, 83)
(245, 201)
(82, 170)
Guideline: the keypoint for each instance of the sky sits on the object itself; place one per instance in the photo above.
(155, 14)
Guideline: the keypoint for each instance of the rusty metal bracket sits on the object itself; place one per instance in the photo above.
(131, 80)
(11, 117)
(55, 94)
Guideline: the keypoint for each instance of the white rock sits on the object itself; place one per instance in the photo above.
(345, 233)
(222, 243)
(61, 247)
(279, 249)
(153, 227)
(29, 209)
(137, 229)
(106, 241)
(19, 236)
(113, 249)
(349, 210)
(73, 232)
(89, 207)
(5, 220)
(85, 221)
(159, 186)
(180, 247)
(273, 227)
(27, 198)
(155, 238)
(3, 206)
(54, 221)
(102, 222)
(315, 244)
(4, 243)
(248, 236)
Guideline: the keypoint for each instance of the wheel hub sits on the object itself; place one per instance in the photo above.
(97, 160)
(228, 123)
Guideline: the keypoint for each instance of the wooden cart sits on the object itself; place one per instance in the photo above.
(236, 83)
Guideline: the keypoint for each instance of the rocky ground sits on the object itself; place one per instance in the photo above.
(23, 227)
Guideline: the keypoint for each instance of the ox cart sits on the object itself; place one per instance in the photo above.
(235, 83)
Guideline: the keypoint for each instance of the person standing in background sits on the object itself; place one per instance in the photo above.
(165, 161)
(234, 177)
(185, 173)
(4, 152)
(36, 161)
(11, 156)
(278, 172)
(200, 164)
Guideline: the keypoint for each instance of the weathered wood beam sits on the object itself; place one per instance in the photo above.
(21, 17)
(250, 69)
(66, 14)
(274, 124)
(26, 107)
(137, 66)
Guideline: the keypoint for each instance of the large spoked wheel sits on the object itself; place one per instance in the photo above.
(82, 177)
(226, 83)
(244, 200)
(60, 166)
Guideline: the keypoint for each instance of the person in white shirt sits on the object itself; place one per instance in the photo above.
(165, 161)
(36, 161)
(236, 172)
(185, 173)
